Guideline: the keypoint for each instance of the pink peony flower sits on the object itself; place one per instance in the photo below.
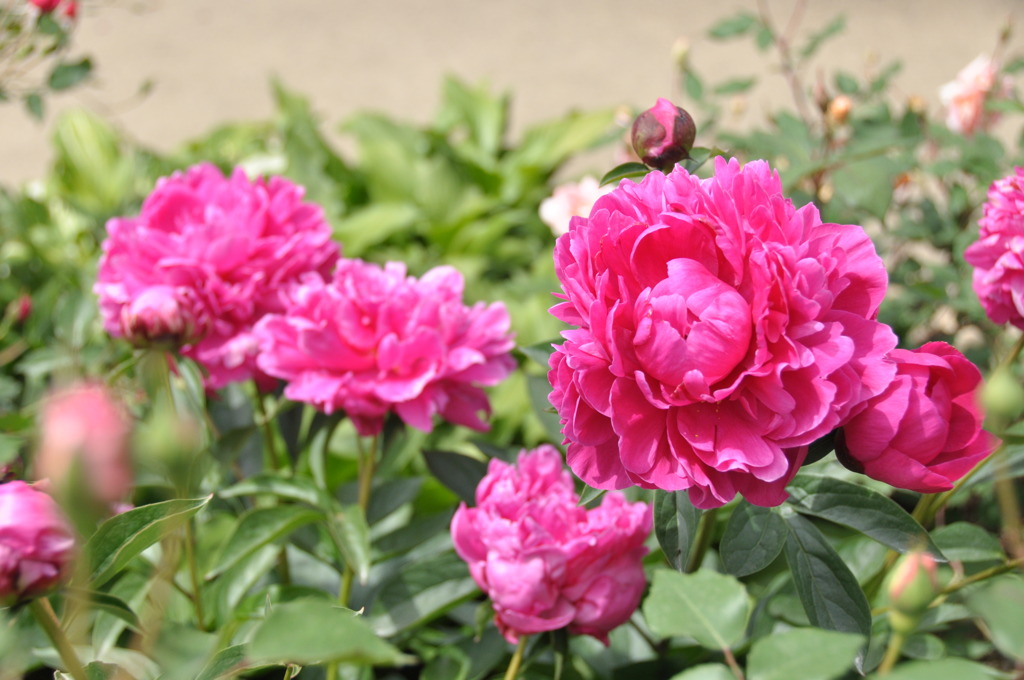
(221, 249)
(84, 430)
(573, 199)
(374, 340)
(36, 544)
(964, 98)
(998, 254)
(924, 431)
(719, 332)
(546, 562)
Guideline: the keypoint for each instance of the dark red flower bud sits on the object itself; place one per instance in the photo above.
(663, 135)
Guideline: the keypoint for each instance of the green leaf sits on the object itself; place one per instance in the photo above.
(257, 528)
(828, 590)
(351, 534)
(225, 663)
(420, 591)
(734, 26)
(122, 537)
(860, 508)
(100, 601)
(706, 671)
(675, 525)
(540, 353)
(624, 171)
(1000, 603)
(460, 473)
(315, 631)
(754, 537)
(298, 489)
(819, 37)
(803, 654)
(711, 608)
(373, 224)
(966, 542)
(846, 83)
(735, 86)
(693, 85)
(944, 669)
(93, 671)
(65, 75)
(589, 496)
(34, 105)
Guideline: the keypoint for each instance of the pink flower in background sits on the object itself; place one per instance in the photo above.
(546, 562)
(998, 254)
(84, 430)
(964, 98)
(924, 431)
(36, 544)
(374, 340)
(220, 249)
(573, 199)
(718, 332)
(46, 6)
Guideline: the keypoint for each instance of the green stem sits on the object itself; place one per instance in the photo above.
(702, 541)
(279, 459)
(193, 571)
(892, 653)
(982, 575)
(47, 619)
(730, 660)
(517, 659)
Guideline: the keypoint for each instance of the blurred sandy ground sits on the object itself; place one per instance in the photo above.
(210, 61)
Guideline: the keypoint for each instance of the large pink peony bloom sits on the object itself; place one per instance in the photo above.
(719, 332)
(924, 431)
(36, 543)
(206, 258)
(964, 98)
(545, 562)
(998, 254)
(84, 431)
(374, 340)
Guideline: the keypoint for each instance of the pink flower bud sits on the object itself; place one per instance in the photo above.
(158, 318)
(24, 308)
(663, 135)
(85, 431)
(913, 585)
(45, 6)
(36, 543)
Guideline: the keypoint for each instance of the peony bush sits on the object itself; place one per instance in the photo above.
(750, 408)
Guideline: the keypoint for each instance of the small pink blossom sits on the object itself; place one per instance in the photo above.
(46, 6)
(545, 562)
(36, 544)
(718, 331)
(84, 430)
(220, 249)
(998, 254)
(924, 431)
(374, 340)
(573, 199)
(965, 97)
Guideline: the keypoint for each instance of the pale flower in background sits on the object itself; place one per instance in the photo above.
(964, 98)
(573, 199)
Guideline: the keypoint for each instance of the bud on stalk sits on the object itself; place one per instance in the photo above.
(663, 135)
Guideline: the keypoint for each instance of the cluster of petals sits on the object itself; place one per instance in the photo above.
(85, 431)
(374, 340)
(206, 258)
(572, 199)
(545, 562)
(965, 97)
(718, 331)
(37, 544)
(998, 254)
(924, 431)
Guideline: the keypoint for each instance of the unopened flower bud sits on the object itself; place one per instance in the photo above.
(839, 109)
(156, 318)
(36, 544)
(913, 586)
(1003, 395)
(663, 135)
(681, 53)
(83, 446)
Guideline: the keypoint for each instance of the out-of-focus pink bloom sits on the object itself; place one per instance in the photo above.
(924, 431)
(224, 249)
(573, 199)
(84, 430)
(71, 10)
(46, 6)
(36, 544)
(719, 331)
(374, 340)
(998, 254)
(546, 562)
(663, 135)
(964, 98)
